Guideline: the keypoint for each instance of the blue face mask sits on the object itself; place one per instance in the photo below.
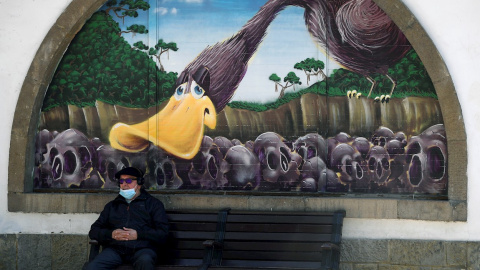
(128, 194)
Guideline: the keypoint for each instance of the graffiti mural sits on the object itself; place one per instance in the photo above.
(265, 96)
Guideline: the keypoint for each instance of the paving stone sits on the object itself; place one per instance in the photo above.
(456, 253)
(8, 251)
(364, 250)
(364, 266)
(473, 256)
(421, 253)
(69, 251)
(34, 251)
(346, 266)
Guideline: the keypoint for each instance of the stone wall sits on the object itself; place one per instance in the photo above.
(60, 251)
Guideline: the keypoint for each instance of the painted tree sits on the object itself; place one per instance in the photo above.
(290, 80)
(135, 29)
(311, 67)
(140, 46)
(128, 8)
(160, 48)
(100, 65)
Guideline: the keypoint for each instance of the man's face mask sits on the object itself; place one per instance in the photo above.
(128, 193)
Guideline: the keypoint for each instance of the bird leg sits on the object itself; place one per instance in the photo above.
(373, 84)
(393, 82)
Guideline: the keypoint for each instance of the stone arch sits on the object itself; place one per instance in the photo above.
(50, 52)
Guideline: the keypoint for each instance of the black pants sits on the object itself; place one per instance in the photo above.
(142, 259)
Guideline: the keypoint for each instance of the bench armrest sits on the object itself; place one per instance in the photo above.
(94, 249)
(93, 242)
(330, 246)
(212, 243)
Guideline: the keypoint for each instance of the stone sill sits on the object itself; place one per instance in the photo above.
(376, 208)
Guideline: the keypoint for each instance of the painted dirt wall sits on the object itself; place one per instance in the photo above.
(226, 105)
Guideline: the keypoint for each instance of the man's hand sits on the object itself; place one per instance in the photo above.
(124, 234)
(132, 234)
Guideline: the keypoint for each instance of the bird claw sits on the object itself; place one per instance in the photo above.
(382, 98)
(353, 93)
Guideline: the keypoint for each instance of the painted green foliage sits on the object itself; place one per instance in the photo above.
(101, 65)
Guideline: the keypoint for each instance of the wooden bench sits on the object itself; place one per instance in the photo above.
(252, 240)
(280, 240)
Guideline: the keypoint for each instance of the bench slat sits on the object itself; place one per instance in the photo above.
(275, 237)
(279, 228)
(191, 235)
(190, 226)
(278, 218)
(300, 247)
(269, 264)
(271, 256)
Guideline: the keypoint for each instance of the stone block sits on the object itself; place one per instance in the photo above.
(69, 251)
(419, 253)
(457, 170)
(346, 266)
(94, 203)
(34, 251)
(364, 251)
(365, 266)
(456, 253)
(355, 208)
(425, 210)
(205, 202)
(8, 251)
(268, 203)
(400, 267)
(473, 255)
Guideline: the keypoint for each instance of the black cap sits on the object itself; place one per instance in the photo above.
(129, 171)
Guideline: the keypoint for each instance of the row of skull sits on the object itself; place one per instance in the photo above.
(387, 162)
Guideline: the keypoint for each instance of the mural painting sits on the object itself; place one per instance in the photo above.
(265, 96)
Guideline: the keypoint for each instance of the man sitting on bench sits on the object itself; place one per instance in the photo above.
(131, 227)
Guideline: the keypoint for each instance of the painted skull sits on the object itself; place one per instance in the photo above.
(278, 165)
(69, 158)
(381, 136)
(208, 167)
(379, 164)
(110, 161)
(426, 158)
(349, 163)
(162, 171)
(311, 145)
(314, 175)
(243, 168)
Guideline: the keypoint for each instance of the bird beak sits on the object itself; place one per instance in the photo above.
(177, 129)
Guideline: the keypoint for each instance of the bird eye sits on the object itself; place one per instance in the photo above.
(197, 91)
(180, 91)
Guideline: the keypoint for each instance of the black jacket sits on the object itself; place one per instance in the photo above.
(145, 214)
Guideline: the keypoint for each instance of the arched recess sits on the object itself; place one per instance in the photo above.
(22, 198)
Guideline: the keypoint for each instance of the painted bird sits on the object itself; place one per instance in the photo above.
(209, 82)
(358, 35)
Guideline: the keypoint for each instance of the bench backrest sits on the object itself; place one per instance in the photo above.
(188, 230)
(282, 240)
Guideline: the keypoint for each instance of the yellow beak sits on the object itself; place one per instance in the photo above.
(177, 129)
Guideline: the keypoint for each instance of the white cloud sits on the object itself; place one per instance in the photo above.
(161, 10)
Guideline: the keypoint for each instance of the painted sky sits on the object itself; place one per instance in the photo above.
(195, 24)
